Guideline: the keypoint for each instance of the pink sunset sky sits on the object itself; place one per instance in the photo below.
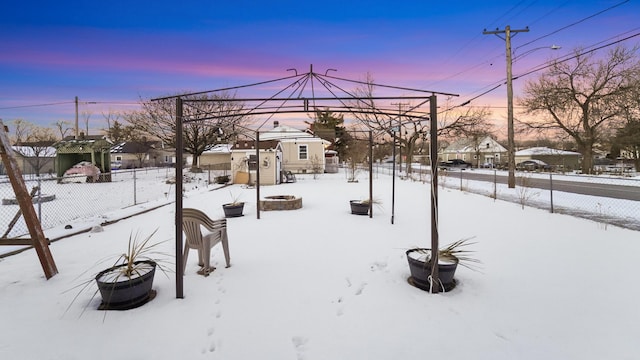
(111, 55)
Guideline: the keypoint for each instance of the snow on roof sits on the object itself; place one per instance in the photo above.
(28, 151)
(487, 144)
(284, 132)
(541, 150)
(219, 149)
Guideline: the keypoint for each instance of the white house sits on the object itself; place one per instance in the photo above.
(302, 152)
(485, 152)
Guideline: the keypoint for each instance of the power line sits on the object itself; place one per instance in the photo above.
(572, 24)
(532, 41)
(544, 66)
(68, 102)
(36, 105)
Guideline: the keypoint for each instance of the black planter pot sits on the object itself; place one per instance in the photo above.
(233, 210)
(359, 208)
(120, 293)
(421, 272)
(222, 179)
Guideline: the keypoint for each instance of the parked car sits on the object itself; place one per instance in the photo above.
(81, 172)
(532, 165)
(454, 164)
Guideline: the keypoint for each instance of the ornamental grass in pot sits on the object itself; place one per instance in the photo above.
(449, 257)
(128, 282)
(234, 208)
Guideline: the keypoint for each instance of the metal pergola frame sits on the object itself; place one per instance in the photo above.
(301, 104)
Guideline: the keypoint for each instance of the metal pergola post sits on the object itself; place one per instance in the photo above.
(435, 278)
(178, 219)
(257, 174)
(370, 174)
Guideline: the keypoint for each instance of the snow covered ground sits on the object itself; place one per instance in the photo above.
(320, 283)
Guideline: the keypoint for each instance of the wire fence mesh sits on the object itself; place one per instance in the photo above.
(58, 201)
(617, 201)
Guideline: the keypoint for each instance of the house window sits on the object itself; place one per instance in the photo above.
(303, 152)
(118, 158)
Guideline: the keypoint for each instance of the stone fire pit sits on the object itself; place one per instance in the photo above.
(280, 202)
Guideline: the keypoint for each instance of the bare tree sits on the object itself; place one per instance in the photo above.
(206, 123)
(356, 156)
(411, 124)
(63, 127)
(584, 97)
(85, 118)
(110, 117)
(35, 144)
(20, 130)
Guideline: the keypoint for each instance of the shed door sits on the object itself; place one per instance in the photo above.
(278, 169)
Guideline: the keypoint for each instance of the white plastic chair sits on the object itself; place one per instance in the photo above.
(216, 232)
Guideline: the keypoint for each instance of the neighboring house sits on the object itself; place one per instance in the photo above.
(244, 166)
(558, 159)
(35, 158)
(484, 153)
(302, 152)
(136, 154)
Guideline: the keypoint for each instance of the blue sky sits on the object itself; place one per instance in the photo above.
(113, 53)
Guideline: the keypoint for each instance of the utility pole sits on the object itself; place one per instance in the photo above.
(76, 128)
(510, 131)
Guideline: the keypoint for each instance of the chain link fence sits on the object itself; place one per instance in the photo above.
(618, 202)
(57, 201)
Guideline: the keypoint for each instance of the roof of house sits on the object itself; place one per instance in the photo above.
(131, 147)
(251, 144)
(469, 145)
(284, 132)
(541, 150)
(29, 151)
(219, 149)
(94, 141)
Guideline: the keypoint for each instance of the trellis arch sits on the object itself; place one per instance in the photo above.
(305, 93)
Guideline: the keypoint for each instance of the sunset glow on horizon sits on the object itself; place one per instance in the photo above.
(112, 55)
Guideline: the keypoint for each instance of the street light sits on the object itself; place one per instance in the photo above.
(517, 57)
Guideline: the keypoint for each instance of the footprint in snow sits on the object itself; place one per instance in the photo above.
(299, 345)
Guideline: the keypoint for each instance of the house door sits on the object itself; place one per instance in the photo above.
(488, 161)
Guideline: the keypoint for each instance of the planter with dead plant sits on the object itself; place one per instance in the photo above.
(449, 257)
(235, 208)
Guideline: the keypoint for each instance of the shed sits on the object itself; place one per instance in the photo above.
(243, 162)
(92, 148)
